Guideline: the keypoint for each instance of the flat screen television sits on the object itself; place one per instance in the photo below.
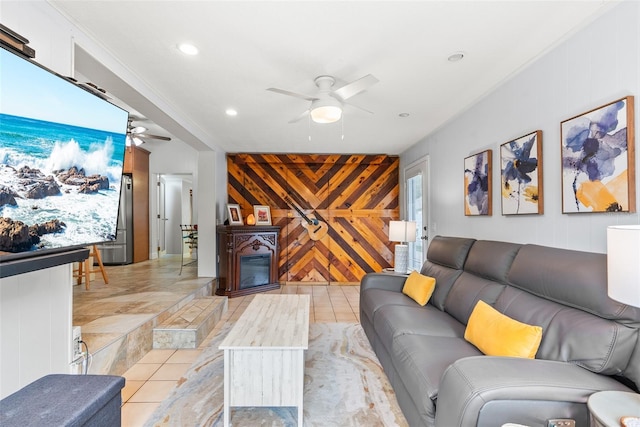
(61, 159)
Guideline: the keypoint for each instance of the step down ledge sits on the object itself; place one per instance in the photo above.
(190, 325)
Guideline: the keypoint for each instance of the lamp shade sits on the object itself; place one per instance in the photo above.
(623, 264)
(402, 231)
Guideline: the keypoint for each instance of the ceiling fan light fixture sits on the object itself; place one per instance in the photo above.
(139, 129)
(137, 141)
(188, 49)
(326, 114)
(326, 110)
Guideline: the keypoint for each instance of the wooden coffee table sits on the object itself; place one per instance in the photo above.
(264, 354)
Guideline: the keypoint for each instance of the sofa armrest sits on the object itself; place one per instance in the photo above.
(484, 390)
(389, 282)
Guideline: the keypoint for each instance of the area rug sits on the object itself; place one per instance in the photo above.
(344, 386)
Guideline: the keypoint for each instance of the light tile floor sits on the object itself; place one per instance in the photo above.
(150, 380)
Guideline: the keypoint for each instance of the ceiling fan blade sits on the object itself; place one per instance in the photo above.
(355, 87)
(289, 93)
(300, 117)
(160, 137)
(357, 107)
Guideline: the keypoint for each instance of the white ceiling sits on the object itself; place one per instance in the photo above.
(247, 47)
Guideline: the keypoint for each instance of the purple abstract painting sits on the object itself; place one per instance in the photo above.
(521, 175)
(477, 184)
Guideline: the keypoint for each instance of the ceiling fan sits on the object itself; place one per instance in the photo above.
(326, 106)
(136, 135)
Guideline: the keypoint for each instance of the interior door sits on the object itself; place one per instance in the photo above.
(417, 209)
(162, 219)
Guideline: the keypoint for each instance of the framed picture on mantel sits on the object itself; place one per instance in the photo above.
(235, 215)
(262, 214)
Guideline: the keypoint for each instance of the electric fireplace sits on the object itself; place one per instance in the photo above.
(247, 259)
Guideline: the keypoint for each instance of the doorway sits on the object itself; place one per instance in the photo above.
(174, 195)
(416, 184)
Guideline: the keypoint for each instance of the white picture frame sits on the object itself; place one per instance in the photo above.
(235, 214)
(262, 214)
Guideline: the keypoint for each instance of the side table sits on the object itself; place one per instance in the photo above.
(392, 271)
(607, 407)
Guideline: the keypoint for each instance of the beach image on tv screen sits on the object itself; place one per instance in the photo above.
(61, 159)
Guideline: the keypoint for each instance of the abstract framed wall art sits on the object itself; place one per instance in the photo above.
(598, 160)
(477, 184)
(521, 175)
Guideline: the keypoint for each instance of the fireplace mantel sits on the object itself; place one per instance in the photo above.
(247, 259)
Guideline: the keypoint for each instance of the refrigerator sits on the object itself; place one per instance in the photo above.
(120, 251)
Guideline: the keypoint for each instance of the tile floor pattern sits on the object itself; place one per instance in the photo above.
(150, 380)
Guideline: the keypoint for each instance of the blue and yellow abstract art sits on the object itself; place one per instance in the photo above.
(598, 160)
(477, 184)
(521, 175)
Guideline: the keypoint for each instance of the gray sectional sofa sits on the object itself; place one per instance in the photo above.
(590, 342)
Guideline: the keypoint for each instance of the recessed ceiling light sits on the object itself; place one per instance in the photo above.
(231, 112)
(455, 57)
(188, 49)
(403, 115)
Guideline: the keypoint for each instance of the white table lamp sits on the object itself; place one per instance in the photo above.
(623, 264)
(402, 231)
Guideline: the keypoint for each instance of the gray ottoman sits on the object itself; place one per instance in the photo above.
(65, 400)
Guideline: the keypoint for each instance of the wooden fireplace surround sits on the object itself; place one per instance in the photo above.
(233, 242)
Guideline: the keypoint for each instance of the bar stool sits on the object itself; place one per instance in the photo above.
(84, 269)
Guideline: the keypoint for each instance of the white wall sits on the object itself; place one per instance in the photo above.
(206, 181)
(597, 65)
(35, 326)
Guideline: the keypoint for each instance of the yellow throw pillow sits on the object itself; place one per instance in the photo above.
(419, 287)
(498, 335)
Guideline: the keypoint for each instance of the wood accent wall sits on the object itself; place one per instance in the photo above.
(356, 195)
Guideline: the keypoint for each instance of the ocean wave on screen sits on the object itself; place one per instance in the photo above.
(96, 160)
(17, 159)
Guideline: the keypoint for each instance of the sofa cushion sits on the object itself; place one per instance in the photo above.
(483, 278)
(498, 335)
(466, 293)
(571, 335)
(371, 300)
(445, 258)
(574, 278)
(420, 368)
(449, 251)
(491, 260)
(445, 278)
(392, 321)
(419, 287)
(632, 370)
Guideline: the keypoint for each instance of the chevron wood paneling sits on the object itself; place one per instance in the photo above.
(356, 195)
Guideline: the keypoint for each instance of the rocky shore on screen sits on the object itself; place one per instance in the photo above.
(32, 184)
